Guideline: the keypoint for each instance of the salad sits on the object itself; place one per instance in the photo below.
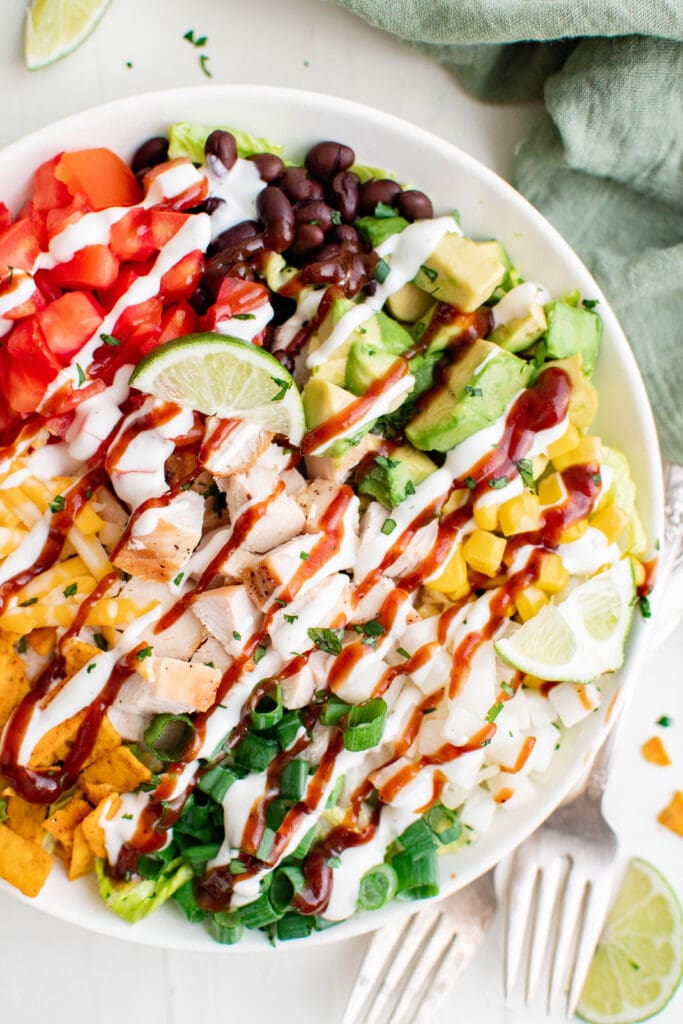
(308, 558)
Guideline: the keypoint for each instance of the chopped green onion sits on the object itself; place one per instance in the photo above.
(377, 887)
(144, 652)
(418, 877)
(365, 724)
(27, 604)
(58, 503)
(388, 526)
(287, 882)
(259, 653)
(268, 710)
(333, 710)
(305, 844)
(494, 711)
(168, 736)
(294, 779)
(199, 856)
(266, 844)
(226, 927)
(216, 782)
(80, 374)
(327, 640)
(110, 340)
(444, 823)
(100, 642)
(418, 839)
(294, 926)
(645, 609)
(287, 728)
(177, 580)
(259, 913)
(403, 652)
(276, 812)
(184, 897)
(335, 794)
(508, 689)
(255, 752)
(236, 635)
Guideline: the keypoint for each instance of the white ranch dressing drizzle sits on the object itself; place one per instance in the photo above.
(122, 826)
(389, 399)
(95, 418)
(238, 189)
(23, 287)
(246, 330)
(517, 303)
(307, 307)
(408, 250)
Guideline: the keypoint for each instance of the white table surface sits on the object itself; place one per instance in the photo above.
(56, 972)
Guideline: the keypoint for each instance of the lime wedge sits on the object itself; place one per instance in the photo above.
(54, 28)
(224, 377)
(581, 637)
(638, 963)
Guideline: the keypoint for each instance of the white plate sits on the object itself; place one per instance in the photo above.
(489, 208)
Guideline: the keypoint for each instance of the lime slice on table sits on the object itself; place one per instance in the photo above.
(638, 962)
(53, 28)
(582, 636)
(224, 377)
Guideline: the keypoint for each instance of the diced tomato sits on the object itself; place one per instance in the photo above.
(48, 191)
(131, 237)
(31, 368)
(181, 281)
(5, 217)
(140, 323)
(28, 307)
(100, 176)
(68, 322)
(177, 321)
(92, 267)
(18, 246)
(65, 404)
(235, 298)
(59, 219)
(128, 275)
(186, 199)
(48, 288)
(25, 387)
(165, 224)
(38, 223)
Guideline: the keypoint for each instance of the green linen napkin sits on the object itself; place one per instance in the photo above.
(605, 163)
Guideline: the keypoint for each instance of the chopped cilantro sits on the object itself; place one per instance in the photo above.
(58, 503)
(177, 580)
(498, 481)
(283, 385)
(259, 653)
(28, 602)
(81, 374)
(336, 217)
(596, 478)
(590, 303)
(388, 526)
(374, 628)
(109, 339)
(291, 619)
(526, 472)
(327, 640)
(70, 590)
(410, 488)
(470, 482)
(22, 645)
(472, 391)
(100, 642)
(91, 666)
(236, 635)
(644, 605)
(304, 556)
(382, 211)
(382, 271)
(664, 721)
(203, 62)
(144, 652)
(386, 463)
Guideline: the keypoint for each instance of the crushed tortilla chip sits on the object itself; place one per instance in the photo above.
(672, 815)
(654, 751)
(56, 744)
(117, 771)
(23, 864)
(63, 823)
(43, 639)
(13, 683)
(25, 818)
(82, 858)
(91, 828)
(77, 653)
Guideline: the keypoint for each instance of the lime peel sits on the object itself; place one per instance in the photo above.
(225, 377)
(55, 28)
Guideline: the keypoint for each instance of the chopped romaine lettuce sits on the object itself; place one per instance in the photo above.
(136, 899)
(188, 140)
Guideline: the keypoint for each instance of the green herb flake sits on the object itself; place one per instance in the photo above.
(470, 483)
(373, 628)
(334, 862)
(22, 644)
(429, 273)
(291, 619)
(403, 652)
(596, 478)
(525, 468)
(386, 463)
(177, 580)
(203, 63)
(498, 481)
(508, 689)
(91, 667)
(590, 303)
(540, 353)
(644, 606)
(28, 602)
(304, 556)
(336, 217)
(144, 652)
(410, 488)
(244, 316)
(259, 653)
(327, 640)
(494, 711)
(110, 340)
(81, 374)
(236, 635)
(127, 817)
(388, 526)
(70, 590)
(665, 721)
(383, 212)
(100, 642)
(58, 503)
(189, 35)
(382, 271)
(472, 391)
(283, 385)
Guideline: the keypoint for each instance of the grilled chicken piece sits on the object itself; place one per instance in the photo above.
(213, 654)
(181, 639)
(169, 685)
(115, 516)
(229, 615)
(266, 576)
(231, 446)
(283, 518)
(327, 602)
(314, 500)
(162, 539)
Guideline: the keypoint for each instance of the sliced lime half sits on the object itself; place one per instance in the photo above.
(54, 28)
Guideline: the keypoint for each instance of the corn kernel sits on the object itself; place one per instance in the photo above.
(539, 465)
(639, 573)
(612, 520)
(589, 449)
(532, 682)
(454, 576)
(551, 490)
(574, 532)
(529, 602)
(486, 516)
(484, 551)
(520, 514)
(564, 444)
(552, 576)
(88, 521)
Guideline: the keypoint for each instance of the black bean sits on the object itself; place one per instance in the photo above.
(344, 194)
(414, 205)
(277, 217)
(328, 158)
(346, 235)
(329, 252)
(201, 300)
(383, 190)
(233, 236)
(356, 275)
(221, 151)
(315, 211)
(220, 265)
(370, 288)
(152, 152)
(297, 185)
(241, 270)
(269, 166)
(307, 237)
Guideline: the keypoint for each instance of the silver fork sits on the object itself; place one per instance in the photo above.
(408, 970)
(558, 893)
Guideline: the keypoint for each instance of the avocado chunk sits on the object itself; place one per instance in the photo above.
(573, 329)
(461, 273)
(409, 303)
(322, 400)
(365, 365)
(521, 332)
(392, 478)
(475, 392)
(583, 400)
(379, 332)
(512, 275)
(376, 230)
